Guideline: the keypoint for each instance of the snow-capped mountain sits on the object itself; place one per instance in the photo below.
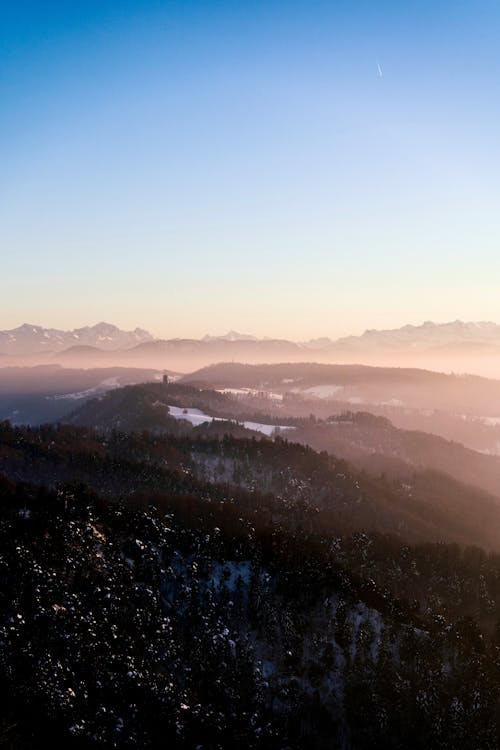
(426, 336)
(234, 336)
(462, 347)
(33, 339)
(429, 335)
(230, 336)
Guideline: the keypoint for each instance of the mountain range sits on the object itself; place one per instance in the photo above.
(29, 338)
(426, 336)
(458, 346)
(34, 339)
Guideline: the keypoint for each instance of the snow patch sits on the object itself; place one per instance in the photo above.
(196, 417)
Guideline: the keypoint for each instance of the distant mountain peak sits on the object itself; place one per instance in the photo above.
(28, 327)
(231, 336)
(29, 338)
(427, 335)
(105, 326)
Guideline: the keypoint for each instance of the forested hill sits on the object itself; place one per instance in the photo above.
(374, 444)
(208, 623)
(370, 442)
(145, 407)
(206, 590)
(131, 627)
(414, 387)
(266, 478)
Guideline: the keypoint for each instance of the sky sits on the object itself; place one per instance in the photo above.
(293, 169)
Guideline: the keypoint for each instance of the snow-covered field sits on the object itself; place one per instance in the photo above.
(196, 417)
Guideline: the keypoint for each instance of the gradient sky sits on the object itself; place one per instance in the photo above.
(291, 169)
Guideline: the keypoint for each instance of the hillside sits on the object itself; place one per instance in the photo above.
(214, 622)
(370, 443)
(360, 384)
(268, 476)
(457, 407)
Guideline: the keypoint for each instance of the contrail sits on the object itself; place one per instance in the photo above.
(380, 73)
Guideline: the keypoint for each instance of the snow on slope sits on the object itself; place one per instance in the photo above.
(196, 417)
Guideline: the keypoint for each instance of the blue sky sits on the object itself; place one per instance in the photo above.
(283, 168)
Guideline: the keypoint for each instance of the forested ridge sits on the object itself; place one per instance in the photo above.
(199, 591)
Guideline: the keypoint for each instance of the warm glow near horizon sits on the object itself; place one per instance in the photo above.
(292, 170)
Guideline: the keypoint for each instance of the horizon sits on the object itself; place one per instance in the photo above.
(295, 167)
(209, 334)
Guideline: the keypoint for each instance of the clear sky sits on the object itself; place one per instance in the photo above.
(283, 168)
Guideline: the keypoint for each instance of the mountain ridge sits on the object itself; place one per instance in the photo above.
(29, 338)
(107, 336)
(456, 346)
